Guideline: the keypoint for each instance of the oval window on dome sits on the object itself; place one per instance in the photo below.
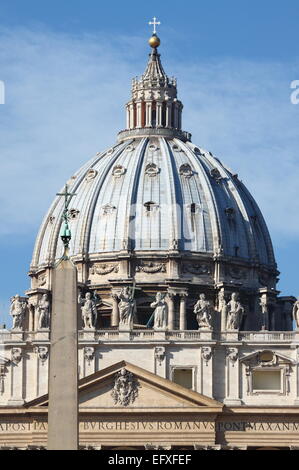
(118, 171)
(215, 173)
(91, 174)
(152, 147)
(176, 148)
(110, 151)
(73, 214)
(130, 148)
(186, 170)
(151, 169)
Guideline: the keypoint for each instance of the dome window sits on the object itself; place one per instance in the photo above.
(73, 214)
(193, 208)
(176, 148)
(108, 209)
(110, 151)
(151, 169)
(230, 213)
(150, 206)
(118, 171)
(130, 148)
(152, 147)
(215, 173)
(91, 174)
(186, 170)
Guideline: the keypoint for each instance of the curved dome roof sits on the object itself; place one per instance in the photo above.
(156, 194)
(155, 191)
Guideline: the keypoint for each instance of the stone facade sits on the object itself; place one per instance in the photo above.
(177, 306)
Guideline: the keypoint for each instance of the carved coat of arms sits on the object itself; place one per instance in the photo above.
(125, 388)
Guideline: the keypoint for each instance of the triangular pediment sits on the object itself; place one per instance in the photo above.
(126, 386)
(257, 356)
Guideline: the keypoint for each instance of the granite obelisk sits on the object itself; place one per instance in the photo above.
(63, 422)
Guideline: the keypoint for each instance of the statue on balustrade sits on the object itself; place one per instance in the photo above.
(43, 307)
(161, 311)
(296, 313)
(127, 308)
(18, 309)
(203, 312)
(222, 309)
(89, 311)
(235, 312)
(265, 312)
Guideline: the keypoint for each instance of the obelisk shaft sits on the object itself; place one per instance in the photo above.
(63, 373)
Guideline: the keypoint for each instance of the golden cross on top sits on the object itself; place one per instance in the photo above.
(154, 23)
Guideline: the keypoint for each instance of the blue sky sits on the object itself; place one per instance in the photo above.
(67, 68)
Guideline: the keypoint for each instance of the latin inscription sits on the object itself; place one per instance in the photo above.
(158, 426)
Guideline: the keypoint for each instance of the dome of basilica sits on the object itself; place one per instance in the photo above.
(156, 209)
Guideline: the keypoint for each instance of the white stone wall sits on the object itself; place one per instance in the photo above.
(222, 370)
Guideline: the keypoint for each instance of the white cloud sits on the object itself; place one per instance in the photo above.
(64, 103)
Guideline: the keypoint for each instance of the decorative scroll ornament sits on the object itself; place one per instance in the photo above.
(89, 353)
(196, 268)
(16, 355)
(206, 353)
(103, 269)
(43, 353)
(151, 268)
(125, 390)
(152, 170)
(232, 354)
(160, 354)
(118, 171)
(186, 170)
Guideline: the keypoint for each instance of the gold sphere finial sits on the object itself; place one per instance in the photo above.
(154, 41)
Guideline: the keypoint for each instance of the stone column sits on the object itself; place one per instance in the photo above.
(128, 117)
(168, 114)
(171, 316)
(17, 360)
(205, 379)
(138, 115)
(183, 318)
(180, 117)
(36, 316)
(159, 114)
(31, 311)
(232, 377)
(176, 116)
(148, 114)
(115, 311)
(63, 432)
(131, 116)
